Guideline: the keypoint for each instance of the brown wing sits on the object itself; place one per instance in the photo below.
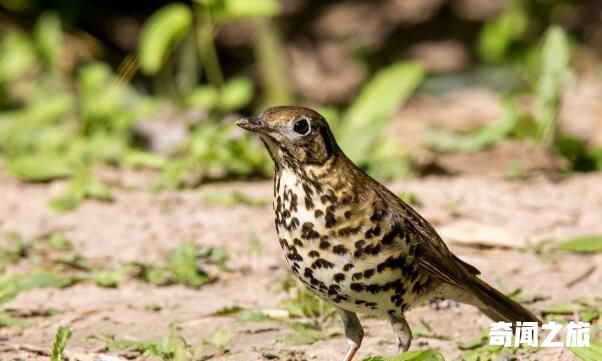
(435, 258)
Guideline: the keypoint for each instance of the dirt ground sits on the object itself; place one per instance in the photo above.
(472, 212)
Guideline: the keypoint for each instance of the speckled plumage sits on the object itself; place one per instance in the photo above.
(353, 242)
(340, 242)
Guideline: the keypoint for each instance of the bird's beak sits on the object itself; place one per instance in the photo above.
(254, 124)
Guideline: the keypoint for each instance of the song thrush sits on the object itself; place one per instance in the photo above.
(352, 241)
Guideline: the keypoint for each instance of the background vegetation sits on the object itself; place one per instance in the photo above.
(89, 88)
(157, 85)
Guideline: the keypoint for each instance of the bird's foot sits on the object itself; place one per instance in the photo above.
(351, 350)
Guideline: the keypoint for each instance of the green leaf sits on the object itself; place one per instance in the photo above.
(221, 338)
(592, 353)
(182, 261)
(226, 311)
(17, 251)
(387, 161)
(160, 32)
(303, 334)
(113, 344)
(82, 187)
(141, 159)
(498, 35)
(410, 198)
(11, 285)
(108, 105)
(180, 352)
(575, 150)
(596, 155)
(40, 167)
(384, 93)
(426, 355)
(95, 189)
(99, 147)
(562, 309)
(9, 288)
(49, 37)
(158, 276)
(254, 316)
(225, 10)
(215, 255)
(306, 304)
(585, 244)
(590, 314)
(106, 278)
(58, 241)
(422, 355)
(66, 201)
(204, 97)
(8, 321)
(420, 331)
(42, 279)
(60, 341)
(489, 353)
(367, 117)
(236, 94)
(473, 343)
(18, 56)
(554, 73)
(171, 346)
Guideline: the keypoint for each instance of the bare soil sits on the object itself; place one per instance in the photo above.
(488, 221)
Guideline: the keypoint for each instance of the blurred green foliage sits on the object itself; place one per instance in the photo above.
(361, 132)
(13, 284)
(60, 118)
(162, 31)
(57, 265)
(584, 244)
(553, 74)
(420, 355)
(306, 304)
(62, 129)
(170, 347)
(57, 125)
(501, 33)
(592, 353)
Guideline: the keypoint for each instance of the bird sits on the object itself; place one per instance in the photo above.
(352, 241)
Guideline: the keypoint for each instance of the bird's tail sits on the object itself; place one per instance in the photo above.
(498, 306)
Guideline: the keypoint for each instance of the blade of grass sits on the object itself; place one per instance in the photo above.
(60, 341)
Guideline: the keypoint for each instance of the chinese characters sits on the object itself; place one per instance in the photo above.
(527, 333)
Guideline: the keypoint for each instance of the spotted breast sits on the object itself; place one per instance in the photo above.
(340, 244)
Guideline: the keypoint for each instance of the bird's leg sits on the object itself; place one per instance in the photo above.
(402, 331)
(353, 331)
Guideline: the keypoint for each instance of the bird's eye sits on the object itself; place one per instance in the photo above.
(302, 126)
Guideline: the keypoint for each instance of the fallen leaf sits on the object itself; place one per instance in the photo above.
(584, 244)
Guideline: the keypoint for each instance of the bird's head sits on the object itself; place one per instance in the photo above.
(294, 136)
